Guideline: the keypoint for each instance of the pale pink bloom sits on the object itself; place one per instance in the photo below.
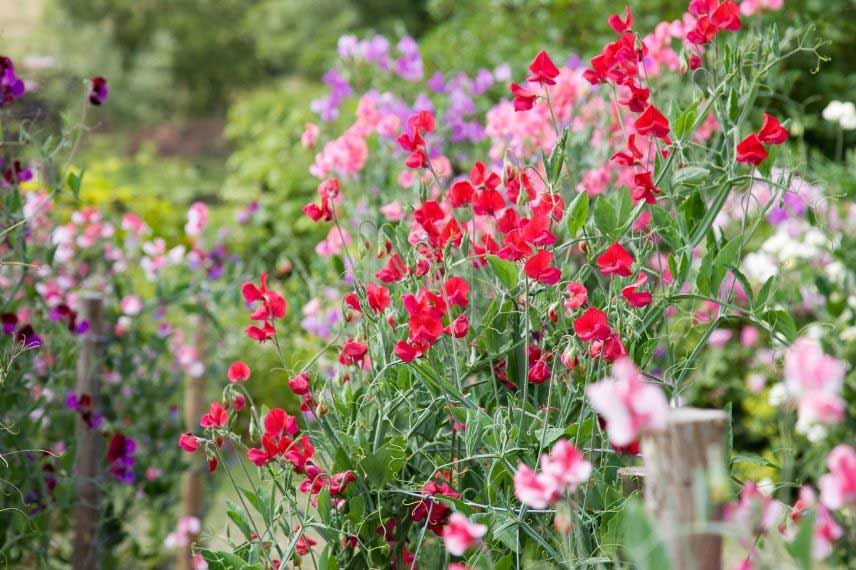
(813, 380)
(838, 487)
(309, 136)
(197, 219)
(533, 491)
(131, 305)
(755, 383)
(807, 368)
(389, 125)
(460, 534)
(826, 529)
(595, 181)
(749, 336)
(566, 466)
(720, 338)
(334, 243)
(562, 471)
(628, 404)
(199, 562)
(754, 513)
(392, 211)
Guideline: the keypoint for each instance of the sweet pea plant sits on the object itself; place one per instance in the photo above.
(529, 302)
(52, 251)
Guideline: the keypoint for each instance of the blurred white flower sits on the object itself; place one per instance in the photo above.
(843, 113)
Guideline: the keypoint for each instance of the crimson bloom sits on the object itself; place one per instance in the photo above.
(772, 131)
(299, 384)
(644, 188)
(99, 91)
(524, 99)
(217, 416)
(377, 297)
(652, 123)
(751, 151)
(188, 442)
(538, 268)
(272, 306)
(393, 270)
(238, 371)
(615, 261)
(457, 289)
(591, 325)
(620, 26)
(418, 124)
(353, 352)
(543, 70)
(635, 297)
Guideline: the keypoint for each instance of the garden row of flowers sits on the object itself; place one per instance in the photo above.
(521, 275)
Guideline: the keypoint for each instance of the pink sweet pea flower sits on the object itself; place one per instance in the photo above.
(838, 487)
(562, 471)
(460, 534)
(238, 371)
(628, 404)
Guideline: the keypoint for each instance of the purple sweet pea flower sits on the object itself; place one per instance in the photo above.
(436, 83)
(11, 86)
(99, 91)
(409, 65)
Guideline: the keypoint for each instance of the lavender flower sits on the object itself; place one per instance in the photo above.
(11, 87)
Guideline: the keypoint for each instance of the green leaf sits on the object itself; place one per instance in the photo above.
(236, 514)
(578, 214)
(505, 530)
(753, 459)
(382, 466)
(800, 546)
(505, 270)
(222, 560)
(642, 545)
(324, 505)
(690, 176)
(781, 321)
(764, 293)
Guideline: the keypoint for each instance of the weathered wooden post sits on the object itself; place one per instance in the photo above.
(678, 463)
(88, 456)
(192, 483)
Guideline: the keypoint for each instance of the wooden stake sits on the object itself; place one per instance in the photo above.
(192, 483)
(89, 449)
(678, 463)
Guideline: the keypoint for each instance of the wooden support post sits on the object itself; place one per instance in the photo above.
(89, 449)
(632, 480)
(679, 461)
(192, 483)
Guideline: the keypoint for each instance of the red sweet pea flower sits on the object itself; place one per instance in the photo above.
(611, 348)
(304, 543)
(713, 18)
(459, 327)
(457, 289)
(615, 261)
(751, 151)
(591, 325)
(652, 123)
(638, 100)
(435, 512)
(488, 202)
(461, 193)
(543, 70)
(328, 190)
(188, 442)
(406, 352)
(299, 454)
(644, 188)
(538, 372)
(421, 122)
(393, 270)
(577, 295)
(538, 268)
(620, 26)
(261, 334)
(217, 416)
(278, 425)
(273, 305)
(726, 17)
(353, 352)
(632, 157)
(524, 99)
(772, 131)
(299, 384)
(418, 124)
(377, 297)
(238, 371)
(637, 298)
